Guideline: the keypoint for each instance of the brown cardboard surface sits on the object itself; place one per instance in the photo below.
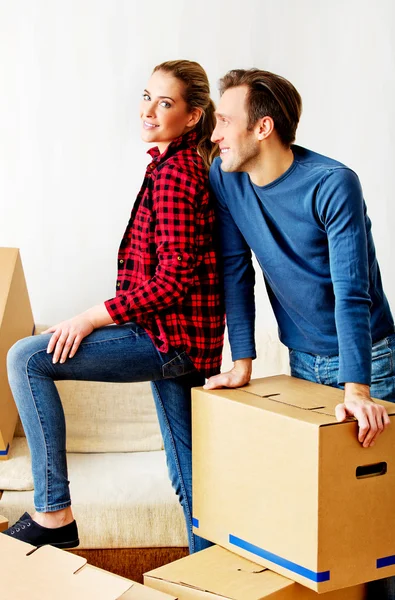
(47, 573)
(3, 523)
(16, 322)
(216, 573)
(142, 592)
(274, 480)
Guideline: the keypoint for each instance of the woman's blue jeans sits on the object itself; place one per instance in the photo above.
(115, 353)
(324, 370)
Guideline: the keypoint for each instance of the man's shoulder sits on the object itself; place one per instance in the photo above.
(324, 171)
(309, 158)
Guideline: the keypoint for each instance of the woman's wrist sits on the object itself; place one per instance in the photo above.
(98, 316)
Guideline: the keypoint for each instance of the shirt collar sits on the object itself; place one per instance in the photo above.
(184, 141)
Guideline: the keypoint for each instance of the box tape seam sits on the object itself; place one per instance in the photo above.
(5, 452)
(317, 577)
(386, 561)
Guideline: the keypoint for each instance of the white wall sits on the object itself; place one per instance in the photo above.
(71, 76)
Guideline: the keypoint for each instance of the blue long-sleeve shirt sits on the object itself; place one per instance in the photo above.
(311, 235)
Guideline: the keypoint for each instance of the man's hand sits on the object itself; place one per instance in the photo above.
(236, 377)
(372, 418)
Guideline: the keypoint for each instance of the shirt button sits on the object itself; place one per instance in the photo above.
(179, 257)
(118, 284)
(121, 262)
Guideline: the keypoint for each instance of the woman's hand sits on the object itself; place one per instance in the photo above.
(67, 336)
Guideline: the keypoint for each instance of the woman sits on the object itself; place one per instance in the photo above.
(167, 311)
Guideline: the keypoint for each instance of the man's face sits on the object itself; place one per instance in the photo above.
(239, 147)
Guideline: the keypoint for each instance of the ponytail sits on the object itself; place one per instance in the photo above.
(196, 95)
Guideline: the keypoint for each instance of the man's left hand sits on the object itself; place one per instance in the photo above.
(372, 418)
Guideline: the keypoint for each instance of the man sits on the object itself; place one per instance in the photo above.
(304, 217)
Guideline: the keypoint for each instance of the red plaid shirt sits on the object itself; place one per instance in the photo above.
(168, 280)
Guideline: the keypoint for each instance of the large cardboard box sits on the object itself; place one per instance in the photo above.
(278, 480)
(16, 322)
(217, 574)
(48, 573)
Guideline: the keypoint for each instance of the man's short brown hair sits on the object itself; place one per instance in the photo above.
(269, 95)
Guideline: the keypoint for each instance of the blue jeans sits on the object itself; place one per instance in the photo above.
(324, 370)
(110, 354)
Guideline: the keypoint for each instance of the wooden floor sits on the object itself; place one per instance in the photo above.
(131, 562)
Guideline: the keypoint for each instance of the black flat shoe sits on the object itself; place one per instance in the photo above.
(27, 530)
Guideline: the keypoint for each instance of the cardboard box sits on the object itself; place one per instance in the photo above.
(3, 523)
(216, 574)
(16, 322)
(48, 573)
(278, 480)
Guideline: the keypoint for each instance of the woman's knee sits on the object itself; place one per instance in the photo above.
(23, 350)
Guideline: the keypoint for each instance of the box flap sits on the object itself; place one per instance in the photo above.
(291, 391)
(47, 573)
(218, 571)
(301, 394)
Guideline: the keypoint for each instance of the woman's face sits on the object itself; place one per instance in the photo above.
(163, 111)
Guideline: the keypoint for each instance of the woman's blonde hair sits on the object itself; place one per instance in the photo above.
(196, 95)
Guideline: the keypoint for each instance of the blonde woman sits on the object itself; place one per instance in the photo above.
(165, 323)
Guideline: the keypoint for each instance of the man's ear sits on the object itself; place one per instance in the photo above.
(264, 128)
(195, 117)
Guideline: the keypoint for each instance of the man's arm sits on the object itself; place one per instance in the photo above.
(342, 211)
(239, 281)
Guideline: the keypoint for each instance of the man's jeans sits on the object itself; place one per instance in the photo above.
(324, 369)
(110, 354)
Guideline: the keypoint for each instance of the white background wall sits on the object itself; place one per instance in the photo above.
(71, 75)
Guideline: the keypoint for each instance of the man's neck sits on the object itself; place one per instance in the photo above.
(270, 165)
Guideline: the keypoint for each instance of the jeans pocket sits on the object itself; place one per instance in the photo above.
(177, 366)
(383, 380)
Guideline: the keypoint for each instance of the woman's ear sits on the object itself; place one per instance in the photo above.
(195, 116)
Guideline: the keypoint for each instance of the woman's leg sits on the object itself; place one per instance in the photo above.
(110, 354)
(173, 404)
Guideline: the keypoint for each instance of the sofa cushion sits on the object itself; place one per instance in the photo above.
(108, 417)
(120, 500)
(16, 472)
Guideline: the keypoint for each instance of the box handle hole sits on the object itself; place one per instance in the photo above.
(371, 470)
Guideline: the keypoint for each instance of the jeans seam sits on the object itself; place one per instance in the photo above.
(317, 370)
(109, 340)
(188, 508)
(391, 354)
(53, 507)
(39, 420)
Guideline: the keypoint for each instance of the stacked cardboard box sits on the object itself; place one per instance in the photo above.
(48, 573)
(277, 480)
(16, 322)
(217, 574)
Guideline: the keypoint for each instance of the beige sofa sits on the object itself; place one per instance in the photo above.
(129, 517)
(122, 496)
